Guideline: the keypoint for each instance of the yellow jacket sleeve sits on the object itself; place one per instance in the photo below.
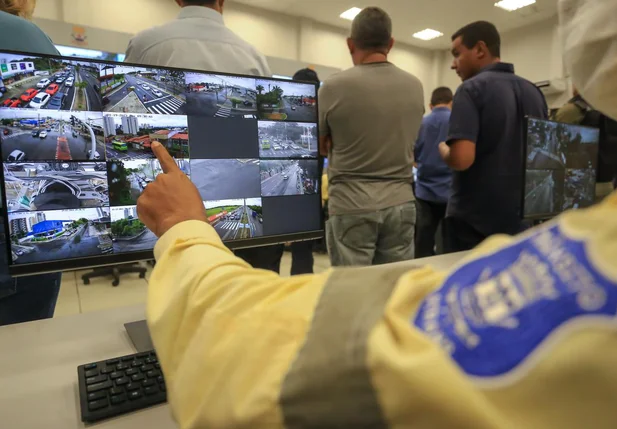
(521, 334)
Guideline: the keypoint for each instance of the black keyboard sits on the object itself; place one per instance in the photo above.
(121, 385)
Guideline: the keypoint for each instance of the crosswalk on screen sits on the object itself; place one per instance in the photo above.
(76, 136)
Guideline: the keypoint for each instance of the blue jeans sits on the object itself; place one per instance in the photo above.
(25, 299)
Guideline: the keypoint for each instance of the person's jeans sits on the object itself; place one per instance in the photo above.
(302, 258)
(430, 215)
(263, 258)
(460, 235)
(372, 238)
(26, 299)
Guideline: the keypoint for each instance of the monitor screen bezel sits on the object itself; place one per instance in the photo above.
(90, 262)
(543, 216)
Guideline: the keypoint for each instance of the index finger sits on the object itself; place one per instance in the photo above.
(167, 162)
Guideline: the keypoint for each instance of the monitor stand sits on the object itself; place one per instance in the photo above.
(140, 336)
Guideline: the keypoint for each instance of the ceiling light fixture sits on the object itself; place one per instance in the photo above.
(350, 14)
(512, 5)
(428, 34)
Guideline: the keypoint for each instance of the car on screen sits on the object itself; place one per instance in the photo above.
(43, 83)
(43, 134)
(96, 155)
(293, 107)
(28, 95)
(247, 103)
(11, 102)
(69, 82)
(16, 155)
(56, 101)
(285, 177)
(157, 92)
(35, 133)
(40, 100)
(6, 131)
(144, 86)
(52, 89)
(60, 79)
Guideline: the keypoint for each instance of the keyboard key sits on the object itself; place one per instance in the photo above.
(143, 355)
(115, 375)
(153, 374)
(97, 379)
(163, 387)
(138, 377)
(115, 400)
(131, 371)
(90, 366)
(160, 379)
(99, 386)
(128, 358)
(137, 363)
(107, 370)
(112, 361)
(122, 381)
(116, 391)
(151, 360)
(149, 382)
(97, 405)
(96, 395)
(146, 368)
(152, 390)
(157, 365)
(132, 386)
(121, 367)
(135, 394)
(92, 373)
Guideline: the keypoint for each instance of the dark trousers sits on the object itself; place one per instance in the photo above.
(269, 257)
(460, 235)
(430, 216)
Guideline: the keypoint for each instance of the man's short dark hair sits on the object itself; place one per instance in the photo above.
(199, 2)
(307, 75)
(371, 29)
(442, 95)
(480, 31)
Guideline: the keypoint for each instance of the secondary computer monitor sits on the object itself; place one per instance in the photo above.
(75, 139)
(560, 168)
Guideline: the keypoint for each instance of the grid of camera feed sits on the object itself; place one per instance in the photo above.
(561, 166)
(76, 137)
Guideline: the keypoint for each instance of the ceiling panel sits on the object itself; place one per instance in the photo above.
(410, 16)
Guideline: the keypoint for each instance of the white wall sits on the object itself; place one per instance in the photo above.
(274, 34)
(534, 50)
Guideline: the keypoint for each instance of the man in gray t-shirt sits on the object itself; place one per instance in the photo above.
(370, 116)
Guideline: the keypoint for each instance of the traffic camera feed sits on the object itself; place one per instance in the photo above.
(55, 185)
(286, 101)
(47, 135)
(287, 140)
(59, 234)
(561, 167)
(47, 83)
(129, 234)
(126, 89)
(129, 136)
(221, 96)
(297, 177)
(236, 219)
(76, 139)
(128, 179)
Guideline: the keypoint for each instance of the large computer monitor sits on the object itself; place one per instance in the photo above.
(560, 168)
(75, 140)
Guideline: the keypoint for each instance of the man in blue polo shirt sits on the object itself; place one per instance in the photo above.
(434, 176)
(486, 139)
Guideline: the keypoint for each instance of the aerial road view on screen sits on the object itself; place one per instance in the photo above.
(128, 179)
(580, 188)
(46, 135)
(544, 191)
(221, 96)
(236, 219)
(129, 136)
(286, 101)
(280, 178)
(287, 140)
(142, 90)
(129, 234)
(226, 179)
(55, 185)
(59, 234)
(47, 83)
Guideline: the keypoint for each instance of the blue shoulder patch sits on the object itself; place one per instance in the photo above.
(492, 313)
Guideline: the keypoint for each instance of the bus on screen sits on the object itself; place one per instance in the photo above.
(119, 146)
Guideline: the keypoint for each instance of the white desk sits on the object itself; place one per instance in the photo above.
(38, 366)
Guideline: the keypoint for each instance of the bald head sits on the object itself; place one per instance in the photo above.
(372, 29)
